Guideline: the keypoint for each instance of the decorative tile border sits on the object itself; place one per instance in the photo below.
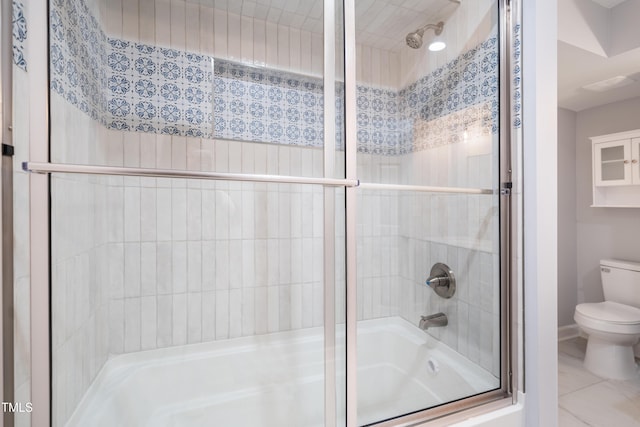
(474, 120)
(253, 104)
(78, 55)
(469, 80)
(517, 76)
(158, 90)
(379, 120)
(136, 87)
(19, 24)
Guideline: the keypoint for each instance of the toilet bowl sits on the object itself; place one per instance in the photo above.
(613, 330)
(613, 326)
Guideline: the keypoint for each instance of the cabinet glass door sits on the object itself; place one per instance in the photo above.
(612, 160)
(635, 161)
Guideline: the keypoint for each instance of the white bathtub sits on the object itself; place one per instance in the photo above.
(277, 380)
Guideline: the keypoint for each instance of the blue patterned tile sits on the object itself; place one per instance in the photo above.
(170, 92)
(119, 107)
(517, 80)
(19, 57)
(145, 88)
(146, 67)
(170, 130)
(119, 125)
(118, 62)
(119, 85)
(19, 30)
(145, 110)
(118, 44)
(194, 116)
(145, 49)
(193, 74)
(194, 132)
(194, 95)
(19, 22)
(170, 113)
(169, 53)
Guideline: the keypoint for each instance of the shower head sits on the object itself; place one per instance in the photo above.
(414, 39)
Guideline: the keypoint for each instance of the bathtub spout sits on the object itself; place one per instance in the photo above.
(433, 320)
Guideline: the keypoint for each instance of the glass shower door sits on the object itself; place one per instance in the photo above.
(197, 213)
(428, 209)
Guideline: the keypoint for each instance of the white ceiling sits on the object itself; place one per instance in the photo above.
(609, 3)
(578, 67)
(385, 24)
(379, 23)
(596, 43)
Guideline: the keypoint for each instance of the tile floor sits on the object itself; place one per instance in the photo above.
(588, 400)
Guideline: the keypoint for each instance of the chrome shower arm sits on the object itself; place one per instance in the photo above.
(437, 28)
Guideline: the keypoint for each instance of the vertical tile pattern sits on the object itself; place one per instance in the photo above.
(460, 231)
(21, 248)
(91, 275)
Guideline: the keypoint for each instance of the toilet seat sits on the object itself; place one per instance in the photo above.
(609, 316)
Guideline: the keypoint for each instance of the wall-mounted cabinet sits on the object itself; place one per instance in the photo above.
(616, 170)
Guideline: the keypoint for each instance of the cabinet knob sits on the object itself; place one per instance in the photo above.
(634, 161)
(626, 162)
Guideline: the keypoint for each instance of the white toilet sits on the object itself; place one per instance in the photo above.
(613, 326)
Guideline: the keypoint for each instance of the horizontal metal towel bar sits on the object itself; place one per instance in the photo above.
(37, 167)
(170, 173)
(424, 189)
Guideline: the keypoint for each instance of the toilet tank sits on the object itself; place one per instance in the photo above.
(621, 281)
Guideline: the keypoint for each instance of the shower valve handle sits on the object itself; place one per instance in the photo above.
(442, 280)
(435, 282)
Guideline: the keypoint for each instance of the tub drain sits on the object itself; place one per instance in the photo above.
(433, 367)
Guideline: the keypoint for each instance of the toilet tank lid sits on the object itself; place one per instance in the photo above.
(618, 263)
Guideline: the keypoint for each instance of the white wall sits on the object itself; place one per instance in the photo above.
(585, 234)
(602, 232)
(539, 189)
(567, 235)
